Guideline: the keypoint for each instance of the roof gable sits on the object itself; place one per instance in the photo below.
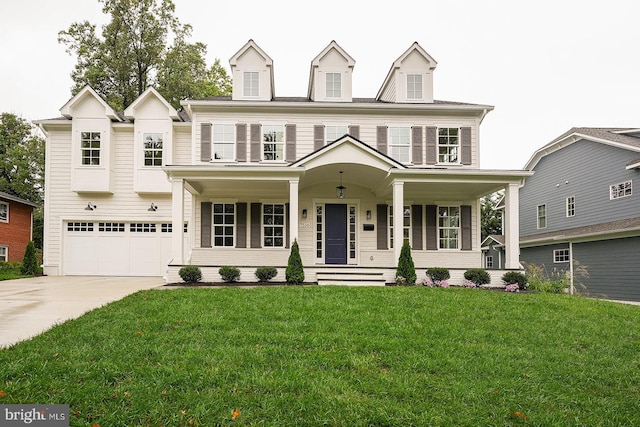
(251, 57)
(348, 147)
(72, 107)
(332, 58)
(149, 95)
(413, 58)
(615, 137)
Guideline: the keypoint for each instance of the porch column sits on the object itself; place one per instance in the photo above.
(511, 228)
(398, 219)
(177, 220)
(293, 210)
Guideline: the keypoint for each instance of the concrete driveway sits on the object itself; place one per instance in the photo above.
(31, 306)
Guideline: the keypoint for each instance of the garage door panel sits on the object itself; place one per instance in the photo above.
(113, 255)
(80, 255)
(144, 256)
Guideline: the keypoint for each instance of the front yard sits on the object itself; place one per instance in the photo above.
(282, 356)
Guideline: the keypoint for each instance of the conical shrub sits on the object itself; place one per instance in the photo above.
(295, 271)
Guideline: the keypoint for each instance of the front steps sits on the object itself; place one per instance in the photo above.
(350, 276)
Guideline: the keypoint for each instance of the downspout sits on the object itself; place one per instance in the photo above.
(571, 287)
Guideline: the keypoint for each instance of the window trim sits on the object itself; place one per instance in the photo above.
(407, 146)
(283, 143)
(332, 125)
(333, 85)
(274, 226)
(458, 146)
(414, 92)
(561, 256)
(223, 225)
(570, 206)
(6, 219)
(614, 190)
(538, 217)
(5, 249)
(488, 261)
(406, 229)
(458, 228)
(152, 150)
(251, 87)
(232, 143)
(90, 149)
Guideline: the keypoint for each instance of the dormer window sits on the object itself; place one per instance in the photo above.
(251, 84)
(90, 145)
(334, 85)
(153, 149)
(414, 86)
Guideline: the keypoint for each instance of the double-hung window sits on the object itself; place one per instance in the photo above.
(273, 142)
(414, 86)
(448, 145)
(223, 141)
(224, 218)
(571, 206)
(448, 227)
(542, 216)
(4, 253)
(152, 149)
(400, 143)
(561, 255)
(4, 212)
(406, 225)
(90, 146)
(332, 132)
(620, 190)
(251, 86)
(273, 223)
(334, 85)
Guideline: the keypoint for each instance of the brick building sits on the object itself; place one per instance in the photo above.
(16, 226)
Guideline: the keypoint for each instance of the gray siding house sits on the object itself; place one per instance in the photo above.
(580, 211)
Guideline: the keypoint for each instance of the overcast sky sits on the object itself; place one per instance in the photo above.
(545, 66)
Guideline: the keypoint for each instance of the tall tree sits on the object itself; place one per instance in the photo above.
(490, 217)
(132, 54)
(22, 165)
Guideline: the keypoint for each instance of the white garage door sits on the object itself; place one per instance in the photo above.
(116, 248)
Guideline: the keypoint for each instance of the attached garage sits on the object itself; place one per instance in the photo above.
(116, 248)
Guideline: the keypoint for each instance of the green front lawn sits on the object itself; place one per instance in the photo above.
(314, 356)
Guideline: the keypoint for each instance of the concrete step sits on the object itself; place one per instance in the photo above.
(351, 277)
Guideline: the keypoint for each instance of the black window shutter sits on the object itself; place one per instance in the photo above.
(256, 136)
(416, 145)
(288, 224)
(416, 228)
(354, 131)
(241, 142)
(383, 241)
(465, 222)
(432, 145)
(381, 139)
(318, 137)
(432, 227)
(290, 143)
(241, 225)
(466, 145)
(256, 225)
(205, 142)
(205, 224)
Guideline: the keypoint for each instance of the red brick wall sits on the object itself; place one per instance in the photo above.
(17, 232)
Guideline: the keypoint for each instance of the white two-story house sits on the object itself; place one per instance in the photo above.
(235, 180)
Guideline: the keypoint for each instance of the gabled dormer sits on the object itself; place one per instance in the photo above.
(152, 118)
(410, 79)
(92, 150)
(330, 78)
(252, 71)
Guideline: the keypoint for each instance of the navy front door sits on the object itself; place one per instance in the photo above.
(336, 234)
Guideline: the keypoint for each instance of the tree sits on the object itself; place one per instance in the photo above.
(490, 217)
(294, 272)
(406, 271)
(29, 265)
(22, 165)
(132, 54)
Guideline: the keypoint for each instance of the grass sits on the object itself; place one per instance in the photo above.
(336, 356)
(10, 271)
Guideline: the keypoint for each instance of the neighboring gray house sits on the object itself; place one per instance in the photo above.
(493, 252)
(579, 209)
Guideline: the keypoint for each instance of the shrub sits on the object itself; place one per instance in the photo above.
(295, 271)
(229, 274)
(514, 287)
(435, 283)
(30, 265)
(406, 269)
(190, 273)
(264, 274)
(438, 274)
(511, 277)
(479, 276)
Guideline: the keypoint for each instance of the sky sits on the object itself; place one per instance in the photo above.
(545, 66)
